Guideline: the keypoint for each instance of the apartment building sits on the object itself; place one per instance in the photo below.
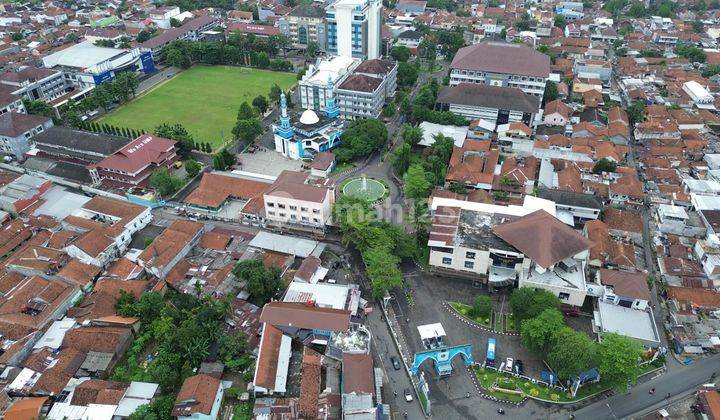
(354, 28)
(35, 83)
(305, 24)
(17, 131)
(501, 64)
(10, 101)
(364, 93)
(495, 104)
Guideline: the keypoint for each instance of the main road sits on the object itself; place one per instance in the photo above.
(678, 383)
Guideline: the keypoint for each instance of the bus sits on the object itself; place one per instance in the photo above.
(490, 357)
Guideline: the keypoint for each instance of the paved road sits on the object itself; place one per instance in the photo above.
(396, 380)
(677, 382)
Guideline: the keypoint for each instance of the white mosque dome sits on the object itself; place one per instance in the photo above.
(309, 117)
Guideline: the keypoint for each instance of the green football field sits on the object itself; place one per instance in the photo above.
(204, 99)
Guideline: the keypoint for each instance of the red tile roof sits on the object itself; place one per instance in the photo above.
(543, 238)
(138, 154)
(197, 395)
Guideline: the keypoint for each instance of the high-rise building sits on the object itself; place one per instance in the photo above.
(353, 28)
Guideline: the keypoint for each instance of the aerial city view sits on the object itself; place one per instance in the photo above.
(359, 209)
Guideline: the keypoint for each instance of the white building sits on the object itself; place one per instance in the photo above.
(294, 199)
(354, 28)
(324, 74)
(700, 95)
(86, 65)
(511, 245)
(161, 16)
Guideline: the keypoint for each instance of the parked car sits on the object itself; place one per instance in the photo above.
(509, 364)
(408, 395)
(395, 362)
(519, 368)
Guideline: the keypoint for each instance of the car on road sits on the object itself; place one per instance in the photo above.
(395, 362)
(509, 364)
(408, 395)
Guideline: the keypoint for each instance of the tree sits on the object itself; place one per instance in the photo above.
(175, 23)
(165, 183)
(107, 43)
(572, 352)
(16, 36)
(311, 49)
(692, 53)
(143, 36)
(178, 133)
(382, 270)
(482, 306)
(125, 304)
(361, 138)
(559, 21)
(618, 359)
(551, 91)
(275, 92)
(125, 85)
(159, 409)
(261, 283)
(407, 74)
(417, 185)
(538, 333)
(528, 303)
(176, 58)
(636, 112)
(411, 134)
(698, 26)
(192, 168)
(400, 53)
(246, 111)
(604, 165)
(39, 107)
(260, 103)
(401, 159)
(233, 351)
(247, 130)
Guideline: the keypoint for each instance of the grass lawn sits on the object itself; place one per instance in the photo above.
(204, 99)
(465, 310)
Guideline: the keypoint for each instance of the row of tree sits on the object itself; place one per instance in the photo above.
(183, 54)
(569, 352)
(382, 245)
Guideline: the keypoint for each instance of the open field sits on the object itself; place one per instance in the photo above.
(204, 99)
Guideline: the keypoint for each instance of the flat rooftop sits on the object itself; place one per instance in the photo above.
(632, 323)
(82, 55)
(475, 230)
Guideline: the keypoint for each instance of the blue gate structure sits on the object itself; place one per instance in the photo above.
(443, 358)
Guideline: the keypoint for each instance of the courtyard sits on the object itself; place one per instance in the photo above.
(204, 99)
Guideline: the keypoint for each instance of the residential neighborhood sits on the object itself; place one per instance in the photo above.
(359, 209)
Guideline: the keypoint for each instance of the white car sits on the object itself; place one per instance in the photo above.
(408, 395)
(509, 364)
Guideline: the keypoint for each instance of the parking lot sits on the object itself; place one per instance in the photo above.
(266, 162)
(448, 394)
